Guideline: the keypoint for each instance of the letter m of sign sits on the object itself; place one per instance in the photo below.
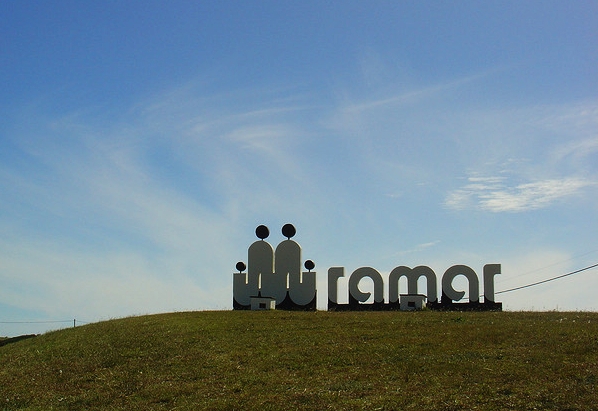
(412, 275)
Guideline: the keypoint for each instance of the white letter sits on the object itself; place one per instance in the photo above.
(490, 270)
(474, 283)
(334, 273)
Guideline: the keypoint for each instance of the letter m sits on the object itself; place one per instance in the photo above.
(412, 275)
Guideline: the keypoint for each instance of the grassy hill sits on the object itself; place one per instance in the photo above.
(311, 361)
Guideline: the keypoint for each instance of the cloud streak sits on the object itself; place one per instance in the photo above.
(495, 195)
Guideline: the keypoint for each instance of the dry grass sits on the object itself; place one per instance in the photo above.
(310, 361)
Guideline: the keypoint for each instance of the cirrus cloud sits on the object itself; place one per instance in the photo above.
(494, 194)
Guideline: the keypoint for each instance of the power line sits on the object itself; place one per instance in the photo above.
(34, 322)
(44, 322)
(556, 263)
(550, 279)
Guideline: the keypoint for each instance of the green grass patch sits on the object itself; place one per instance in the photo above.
(310, 361)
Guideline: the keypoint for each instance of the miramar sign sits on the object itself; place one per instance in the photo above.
(275, 279)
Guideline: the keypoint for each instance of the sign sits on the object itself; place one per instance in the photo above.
(277, 275)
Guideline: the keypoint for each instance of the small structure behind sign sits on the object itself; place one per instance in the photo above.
(411, 302)
(262, 303)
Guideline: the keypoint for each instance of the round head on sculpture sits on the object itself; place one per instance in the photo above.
(309, 265)
(262, 232)
(288, 230)
(241, 266)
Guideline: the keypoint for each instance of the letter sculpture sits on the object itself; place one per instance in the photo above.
(275, 275)
(275, 279)
(358, 300)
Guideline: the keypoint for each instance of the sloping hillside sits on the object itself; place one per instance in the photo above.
(310, 360)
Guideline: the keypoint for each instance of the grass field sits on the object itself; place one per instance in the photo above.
(279, 360)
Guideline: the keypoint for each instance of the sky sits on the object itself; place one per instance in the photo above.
(142, 142)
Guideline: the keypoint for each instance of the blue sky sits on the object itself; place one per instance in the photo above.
(142, 142)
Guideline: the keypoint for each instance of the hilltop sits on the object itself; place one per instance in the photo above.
(311, 361)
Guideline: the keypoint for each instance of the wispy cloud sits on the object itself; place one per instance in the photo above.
(419, 94)
(495, 195)
(532, 157)
(418, 248)
(577, 149)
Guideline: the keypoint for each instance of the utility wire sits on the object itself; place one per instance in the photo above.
(550, 279)
(35, 322)
(42, 322)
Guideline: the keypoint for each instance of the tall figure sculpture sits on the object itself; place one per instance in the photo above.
(275, 275)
